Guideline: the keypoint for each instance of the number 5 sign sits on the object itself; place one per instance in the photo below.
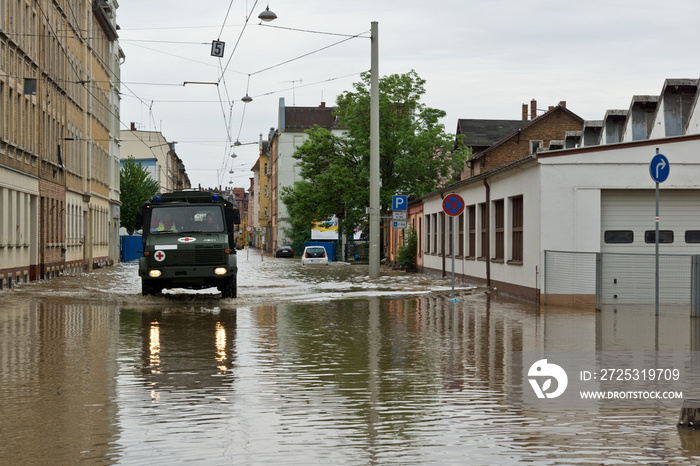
(217, 48)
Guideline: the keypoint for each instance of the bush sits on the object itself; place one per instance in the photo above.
(406, 256)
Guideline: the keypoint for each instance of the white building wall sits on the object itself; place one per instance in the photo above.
(522, 182)
(572, 184)
(148, 147)
(19, 236)
(694, 121)
(562, 202)
(288, 174)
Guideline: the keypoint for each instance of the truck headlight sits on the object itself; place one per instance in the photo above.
(220, 271)
(154, 273)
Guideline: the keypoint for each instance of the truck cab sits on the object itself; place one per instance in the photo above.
(188, 242)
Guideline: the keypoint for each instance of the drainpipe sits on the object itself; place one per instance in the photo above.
(488, 232)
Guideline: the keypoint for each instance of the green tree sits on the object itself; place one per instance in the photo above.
(136, 186)
(416, 154)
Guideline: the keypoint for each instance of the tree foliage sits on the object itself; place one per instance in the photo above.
(416, 154)
(136, 186)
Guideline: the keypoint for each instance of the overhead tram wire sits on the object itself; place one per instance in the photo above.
(347, 38)
(223, 72)
(350, 36)
(77, 73)
(238, 41)
(225, 18)
(222, 76)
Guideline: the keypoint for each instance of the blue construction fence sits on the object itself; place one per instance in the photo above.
(130, 247)
(329, 245)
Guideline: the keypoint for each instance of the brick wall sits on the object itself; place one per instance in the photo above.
(553, 125)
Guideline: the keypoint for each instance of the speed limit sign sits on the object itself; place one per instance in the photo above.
(249, 228)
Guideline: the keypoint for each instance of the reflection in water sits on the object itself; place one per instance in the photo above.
(372, 379)
(154, 349)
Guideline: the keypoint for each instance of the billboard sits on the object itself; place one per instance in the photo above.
(327, 230)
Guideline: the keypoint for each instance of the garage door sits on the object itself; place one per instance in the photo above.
(627, 241)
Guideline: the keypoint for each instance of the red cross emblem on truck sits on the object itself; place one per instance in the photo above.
(159, 256)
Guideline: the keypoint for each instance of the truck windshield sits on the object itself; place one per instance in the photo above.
(186, 219)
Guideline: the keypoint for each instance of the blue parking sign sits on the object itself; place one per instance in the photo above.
(399, 202)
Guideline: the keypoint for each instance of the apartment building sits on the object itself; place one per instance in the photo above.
(59, 138)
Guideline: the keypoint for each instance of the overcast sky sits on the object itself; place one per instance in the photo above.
(480, 59)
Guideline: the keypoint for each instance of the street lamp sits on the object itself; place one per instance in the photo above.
(374, 180)
(267, 15)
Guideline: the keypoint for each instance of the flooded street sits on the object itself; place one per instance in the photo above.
(314, 366)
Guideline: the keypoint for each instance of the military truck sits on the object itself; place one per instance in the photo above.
(188, 242)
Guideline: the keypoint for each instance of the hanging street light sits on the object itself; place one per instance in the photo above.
(267, 15)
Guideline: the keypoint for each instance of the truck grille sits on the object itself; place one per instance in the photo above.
(208, 256)
(200, 255)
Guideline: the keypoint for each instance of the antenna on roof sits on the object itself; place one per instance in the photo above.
(294, 100)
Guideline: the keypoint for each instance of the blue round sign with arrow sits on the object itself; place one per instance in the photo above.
(659, 168)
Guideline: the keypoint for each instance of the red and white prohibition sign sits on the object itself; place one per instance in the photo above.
(159, 256)
(453, 205)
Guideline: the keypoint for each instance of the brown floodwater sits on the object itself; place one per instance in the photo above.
(309, 366)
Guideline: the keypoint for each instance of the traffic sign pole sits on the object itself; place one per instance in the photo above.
(656, 245)
(453, 259)
(659, 169)
(453, 205)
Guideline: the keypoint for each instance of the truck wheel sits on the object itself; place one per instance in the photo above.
(148, 288)
(228, 287)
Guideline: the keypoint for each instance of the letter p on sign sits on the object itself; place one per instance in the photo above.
(399, 202)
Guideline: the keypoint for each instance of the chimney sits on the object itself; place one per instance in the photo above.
(533, 109)
(323, 105)
(524, 112)
(133, 126)
(563, 103)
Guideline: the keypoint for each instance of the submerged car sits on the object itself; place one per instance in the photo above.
(284, 251)
(314, 255)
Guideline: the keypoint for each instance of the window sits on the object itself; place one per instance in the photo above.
(499, 230)
(434, 249)
(534, 145)
(517, 229)
(618, 236)
(665, 236)
(471, 218)
(427, 233)
(692, 236)
(460, 249)
(483, 225)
